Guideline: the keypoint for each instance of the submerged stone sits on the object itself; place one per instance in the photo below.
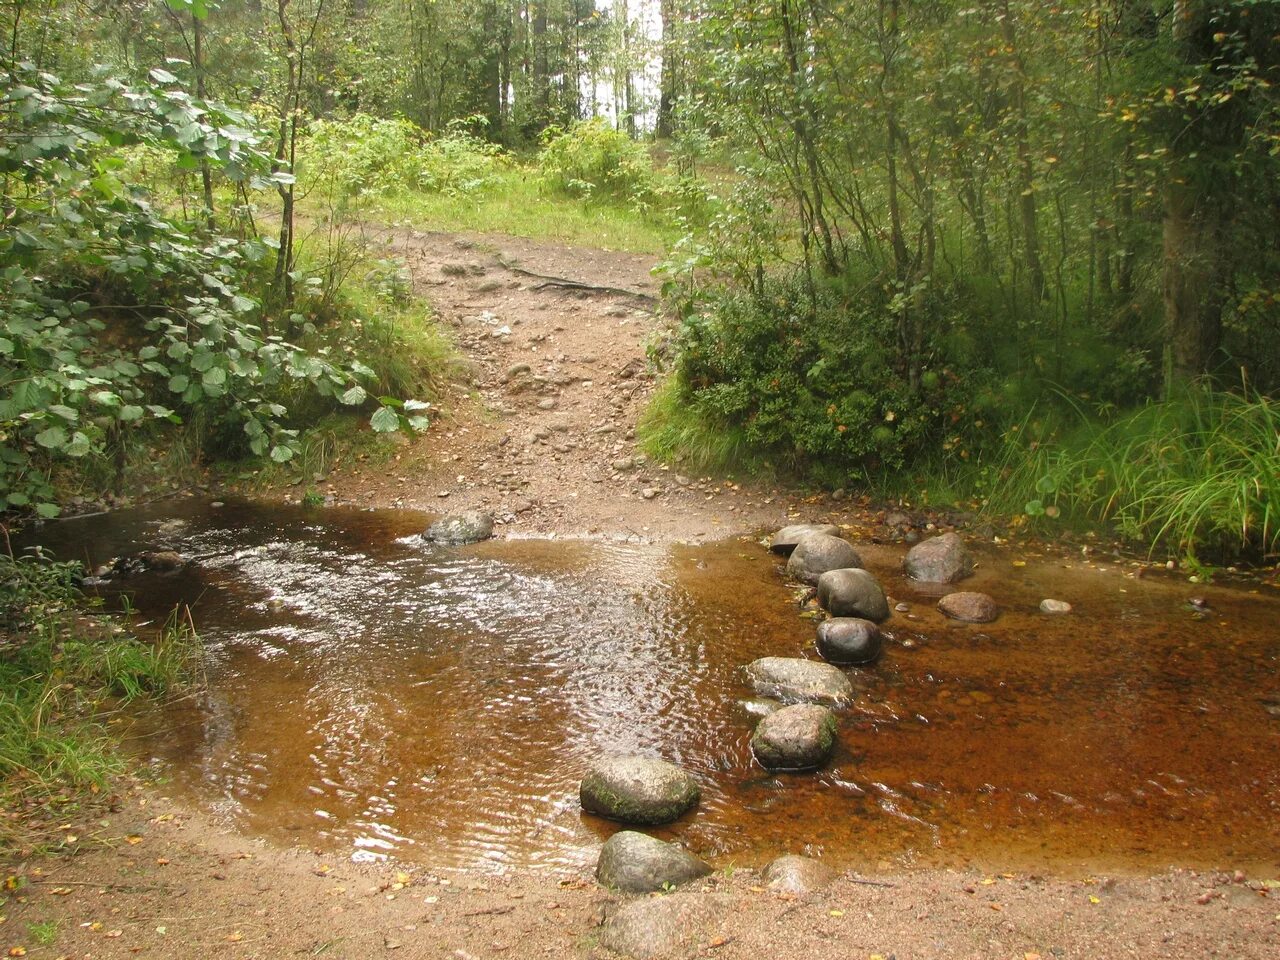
(791, 678)
(943, 559)
(969, 606)
(818, 553)
(634, 789)
(637, 863)
(470, 526)
(852, 593)
(788, 538)
(849, 640)
(799, 737)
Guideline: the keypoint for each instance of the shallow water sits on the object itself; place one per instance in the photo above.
(380, 697)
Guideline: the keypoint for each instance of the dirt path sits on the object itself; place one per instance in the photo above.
(544, 435)
(544, 438)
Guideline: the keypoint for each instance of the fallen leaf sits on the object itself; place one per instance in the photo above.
(113, 934)
(1093, 899)
(837, 913)
(60, 891)
(988, 881)
(234, 937)
(403, 879)
(17, 951)
(162, 861)
(133, 840)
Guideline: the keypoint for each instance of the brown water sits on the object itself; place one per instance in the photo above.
(380, 697)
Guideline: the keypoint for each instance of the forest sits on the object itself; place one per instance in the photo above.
(1000, 253)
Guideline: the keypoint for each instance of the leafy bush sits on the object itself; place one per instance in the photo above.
(365, 155)
(809, 385)
(115, 315)
(590, 159)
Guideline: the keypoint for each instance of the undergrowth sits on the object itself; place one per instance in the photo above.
(1198, 473)
(62, 673)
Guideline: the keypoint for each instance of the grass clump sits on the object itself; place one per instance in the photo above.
(1198, 473)
(61, 669)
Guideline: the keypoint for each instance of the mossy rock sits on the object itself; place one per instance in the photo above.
(640, 790)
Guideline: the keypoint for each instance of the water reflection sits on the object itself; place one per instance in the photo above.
(387, 698)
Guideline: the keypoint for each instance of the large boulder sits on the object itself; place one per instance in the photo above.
(969, 606)
(470, 526)
(637, 790)
(788, 538)
(852, 593)
(849, 640)
(666, 928)
(943, 559)
(799, 737)
(792, 679)
(818, 553)
(637, 863)
(797, 875)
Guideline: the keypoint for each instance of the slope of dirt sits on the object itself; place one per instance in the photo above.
(543, 436)
(542, 432)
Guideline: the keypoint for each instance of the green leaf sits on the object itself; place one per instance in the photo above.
(6, 346)
(385, 420)
(1046, 484)
(281, 454)
(160, 75)
(129, 413)
(53, 438)
(179, 383)
(65, 412)
(48, 510)
(202, 360)
(215, 377)
(413, 406)
(78, 446)
(1034, 508)
(354, 396)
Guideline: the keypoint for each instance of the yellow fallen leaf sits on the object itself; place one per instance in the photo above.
(988, 881)
(234, 937)
(133, 840)
(403, 879)
(837, 913)
(1093, 899)
(17, 951)
(70, 838)
(60, 891)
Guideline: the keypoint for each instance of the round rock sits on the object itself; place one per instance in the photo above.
(799, 737)
(637, 863)
(969, 606)
(661, 928)
(818, 553)
(637, 790)
(1054, 606)
(852, 593)
(788, 538)
(943, 559)
(470, 526)
(849, 640)
(797, 875)
(792, 679)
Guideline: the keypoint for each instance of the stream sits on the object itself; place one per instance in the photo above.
(378, 697)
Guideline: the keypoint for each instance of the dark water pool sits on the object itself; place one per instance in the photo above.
(380, 697)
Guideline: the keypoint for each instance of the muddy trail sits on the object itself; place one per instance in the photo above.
(539, 431)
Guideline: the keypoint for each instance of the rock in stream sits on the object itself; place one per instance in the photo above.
(634, 789)
(792, 679)
(637, 863)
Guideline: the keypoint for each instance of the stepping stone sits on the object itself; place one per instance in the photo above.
(969, 607)
(943, 559)
(818, 553)
(792, 679)
(799, 737)
(852, 593)
(849, 640)
(634, 789)
(637, 863)
(788, 538)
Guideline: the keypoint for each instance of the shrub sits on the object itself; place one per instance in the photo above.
(366, 155)
(592, 160)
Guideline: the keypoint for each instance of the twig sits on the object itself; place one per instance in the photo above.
(488, 911)
(870, 883)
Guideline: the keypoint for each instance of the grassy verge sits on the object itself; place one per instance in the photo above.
(515, 204)
(1198, 473)
(62, 673)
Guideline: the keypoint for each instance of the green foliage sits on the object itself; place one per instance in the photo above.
(592, 160)
(116, 315)
(365, 155)
(57, 668)
(806, 380)
(1198, 473)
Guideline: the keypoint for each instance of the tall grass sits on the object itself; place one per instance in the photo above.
(671, 431)
(60, 671)
(1198, 473)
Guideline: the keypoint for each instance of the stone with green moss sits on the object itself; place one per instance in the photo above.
(799, 737)
(634, 789)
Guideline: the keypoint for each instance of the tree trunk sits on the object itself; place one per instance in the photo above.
(197, 68)
(667, 82)
(1192, 286)
(1025, 165)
